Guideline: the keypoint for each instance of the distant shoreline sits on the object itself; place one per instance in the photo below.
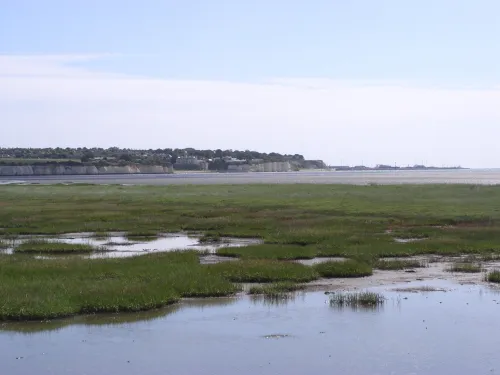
(423, 168)
(371, 177)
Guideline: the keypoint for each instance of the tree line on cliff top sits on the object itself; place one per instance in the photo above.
(116, 155)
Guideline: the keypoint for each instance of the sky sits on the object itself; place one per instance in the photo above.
(350, 82)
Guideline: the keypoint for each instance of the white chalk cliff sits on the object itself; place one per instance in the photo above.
(44, 170)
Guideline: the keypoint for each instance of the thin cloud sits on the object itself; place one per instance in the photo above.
(50, 101)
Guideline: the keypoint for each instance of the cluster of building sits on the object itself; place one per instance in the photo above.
(257, 165)
(232, 165)
(191, 162)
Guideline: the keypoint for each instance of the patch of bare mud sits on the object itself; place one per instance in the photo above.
(437, 270)
(419, 289)
(277, 336)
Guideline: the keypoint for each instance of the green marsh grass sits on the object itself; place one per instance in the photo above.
(45, 246)
(356, 299)
(348, 268)
(277, 252)
(263, 271)
(275, 294)
(276, 288)
(465, 267)
(493, 276)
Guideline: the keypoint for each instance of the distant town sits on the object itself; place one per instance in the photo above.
(188, 159)
(168, 160)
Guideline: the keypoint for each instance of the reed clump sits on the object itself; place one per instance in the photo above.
(46, 246)
(399, 264)
(493, 276)
(348, 268)
(356, 299)
(465, 267)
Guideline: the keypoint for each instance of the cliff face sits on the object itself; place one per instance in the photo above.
(47, 170)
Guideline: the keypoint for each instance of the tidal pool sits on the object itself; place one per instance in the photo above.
(451, 331)
(119, 245)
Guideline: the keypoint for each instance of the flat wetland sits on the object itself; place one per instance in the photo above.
(364, 226)
(370, 247)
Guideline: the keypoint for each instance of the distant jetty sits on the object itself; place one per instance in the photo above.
(383, 167)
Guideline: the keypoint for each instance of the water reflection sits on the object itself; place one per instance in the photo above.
(88, 320)
(109, 319)
(276, 299)
(358, 308)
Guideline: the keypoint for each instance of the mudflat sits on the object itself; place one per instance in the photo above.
(458, 176)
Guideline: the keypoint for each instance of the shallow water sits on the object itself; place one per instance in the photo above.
(452, 332)
(314, 261)
(117, 245)
(459, 176)
(407, 240)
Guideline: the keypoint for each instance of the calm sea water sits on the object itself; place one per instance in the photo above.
(464, 176)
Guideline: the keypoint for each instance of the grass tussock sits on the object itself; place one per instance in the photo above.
(276, 288)
(358, 299)
(399, 264)
(465, 267)
(493, 276)
(45, 246)
(348, 268)
(266, 251)
(263, 271)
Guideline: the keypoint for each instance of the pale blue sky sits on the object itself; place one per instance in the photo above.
(450, 41)
(449, 49)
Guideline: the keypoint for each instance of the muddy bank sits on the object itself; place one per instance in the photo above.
(473, 177)
(436, 269)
